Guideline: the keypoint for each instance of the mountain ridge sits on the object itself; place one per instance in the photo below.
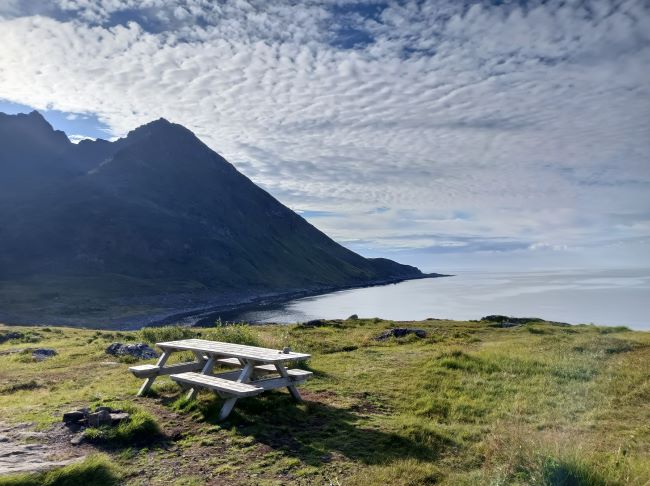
(160, 210)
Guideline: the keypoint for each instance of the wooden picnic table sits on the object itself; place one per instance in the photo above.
(257, 370)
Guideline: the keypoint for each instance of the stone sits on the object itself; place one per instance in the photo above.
(77, 439)
(353, 317)
(43, 353)
(119, 417)
(137, 350)
(98, 419)
(399, 332)
(7, 336)
(107, 409)
(74, 417)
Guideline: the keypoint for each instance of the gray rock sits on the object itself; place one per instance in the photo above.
(399, 332)
(74, 417)
(43, 353)
(77, 439)
(119, 417)
(137, 350)
(98, 419)
(7, 336)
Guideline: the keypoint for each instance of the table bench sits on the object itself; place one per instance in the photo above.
(256, 370)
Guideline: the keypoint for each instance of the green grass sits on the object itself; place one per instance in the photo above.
(141, 428)
(96, 470)
(469, 404)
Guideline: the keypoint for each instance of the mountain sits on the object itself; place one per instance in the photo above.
(154, 222)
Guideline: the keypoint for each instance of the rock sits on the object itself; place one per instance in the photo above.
(138, 350)
(512, 320)
(315, 323)
(119, 417)
(43, 353)
(399, 332)
(507, 324)
(353, 317)
(107, 409)
(7, 336)
(74, 417)
(98, 419)
(77, 439)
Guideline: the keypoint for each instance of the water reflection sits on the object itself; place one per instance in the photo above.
(604, 297)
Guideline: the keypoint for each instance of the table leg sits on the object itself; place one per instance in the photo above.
(149, 381)
(207, 369)
(292, 388)
(229, 404)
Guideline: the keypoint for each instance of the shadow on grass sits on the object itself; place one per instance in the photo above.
(313, 431)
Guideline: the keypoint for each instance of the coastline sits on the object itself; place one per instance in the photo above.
(203, 315)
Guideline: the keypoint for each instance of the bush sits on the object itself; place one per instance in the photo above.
(96, 470)
(236, 333)
(166, 333)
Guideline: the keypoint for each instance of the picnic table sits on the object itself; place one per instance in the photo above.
(256, 370)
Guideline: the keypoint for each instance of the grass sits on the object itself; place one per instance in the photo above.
(468, 404)
(96, 470)
(141, 428)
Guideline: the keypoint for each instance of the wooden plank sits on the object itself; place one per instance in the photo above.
(144, 371)
(277, 382)
(264, 355)
(218, 384)
(149, 381)
(294, 372)
(292, 389)
(229, 362)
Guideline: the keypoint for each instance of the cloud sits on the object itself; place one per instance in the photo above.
(534, 118)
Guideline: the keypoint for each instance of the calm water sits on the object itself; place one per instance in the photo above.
(604, 297)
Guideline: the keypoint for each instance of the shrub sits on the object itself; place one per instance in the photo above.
(166, 333)
(236, 333)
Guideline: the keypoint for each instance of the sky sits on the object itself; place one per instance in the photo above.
(448, 135)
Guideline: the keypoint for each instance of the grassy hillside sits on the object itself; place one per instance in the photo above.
(468, 404)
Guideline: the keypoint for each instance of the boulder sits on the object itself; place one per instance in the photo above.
(98, 419)
(399, 332)
(101, 416)
(138, 350)
(74, 417)
(7, 336)
(118, 417)
(43, 353)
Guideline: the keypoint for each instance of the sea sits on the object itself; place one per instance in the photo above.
(601, 297)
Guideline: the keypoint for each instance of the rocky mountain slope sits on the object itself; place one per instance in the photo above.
(157, 213)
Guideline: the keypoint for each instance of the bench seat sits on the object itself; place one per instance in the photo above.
(228, 387)
(269, 368)
(149, 370)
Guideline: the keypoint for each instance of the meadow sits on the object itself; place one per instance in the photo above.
(471, 403)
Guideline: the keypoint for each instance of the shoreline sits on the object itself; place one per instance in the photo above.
(199, 316)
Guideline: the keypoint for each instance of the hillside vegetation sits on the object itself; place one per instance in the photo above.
(470, 404)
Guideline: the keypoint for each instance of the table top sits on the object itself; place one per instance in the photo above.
(252, 353)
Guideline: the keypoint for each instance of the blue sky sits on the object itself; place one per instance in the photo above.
(450, 135)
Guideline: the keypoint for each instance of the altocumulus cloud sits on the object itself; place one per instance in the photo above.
(532, 120)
